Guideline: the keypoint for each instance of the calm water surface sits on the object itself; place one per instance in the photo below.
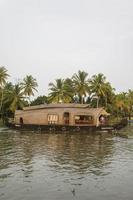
(36, 166)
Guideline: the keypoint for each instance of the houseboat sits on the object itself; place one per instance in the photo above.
(62, 117)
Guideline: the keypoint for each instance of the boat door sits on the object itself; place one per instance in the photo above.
(66, 118)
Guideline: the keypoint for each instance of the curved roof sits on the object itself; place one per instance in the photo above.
(59, 105)
(85, 108)
(79, 109)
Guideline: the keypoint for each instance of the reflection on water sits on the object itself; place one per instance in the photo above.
(66, 166)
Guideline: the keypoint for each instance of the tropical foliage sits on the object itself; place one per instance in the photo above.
(3, 77)
(79, 88)
(14, 98)
(101, 88)
(60, 91)
(81, 85)
(29, 85)
(40, 100)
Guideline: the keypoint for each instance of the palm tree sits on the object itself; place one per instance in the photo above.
(130, 103)
(3, 77)
(101, 88)
(40, 100)
(81, 84)
(28, 86)
(97, 84)
(124, 103)
(121, 103)
(69, 89)
(14, 97)
(60, 91)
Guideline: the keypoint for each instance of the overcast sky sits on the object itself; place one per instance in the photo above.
(52, 39)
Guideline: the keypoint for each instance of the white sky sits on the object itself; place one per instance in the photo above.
(52, 39)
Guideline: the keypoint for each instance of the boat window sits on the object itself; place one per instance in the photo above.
(52, 119)
(83, 119)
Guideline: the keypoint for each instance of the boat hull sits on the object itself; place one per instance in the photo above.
(67, 128)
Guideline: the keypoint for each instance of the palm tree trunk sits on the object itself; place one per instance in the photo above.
(82, 100)
(29, 100)
(97, 102)
(105, 102)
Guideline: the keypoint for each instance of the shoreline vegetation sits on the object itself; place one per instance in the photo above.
(80, 88)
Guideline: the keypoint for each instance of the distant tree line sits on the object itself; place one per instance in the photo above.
(79, 88)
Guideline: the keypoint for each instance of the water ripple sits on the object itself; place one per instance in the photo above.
(65, 166)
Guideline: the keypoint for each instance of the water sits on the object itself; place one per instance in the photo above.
(66, 166)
